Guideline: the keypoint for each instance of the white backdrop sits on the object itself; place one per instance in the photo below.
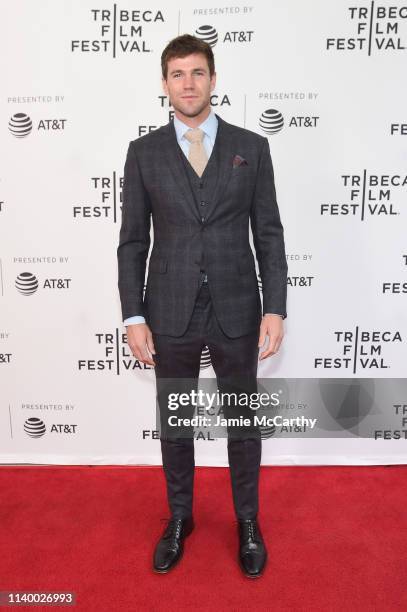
(78, 83)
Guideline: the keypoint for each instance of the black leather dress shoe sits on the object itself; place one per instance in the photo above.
(171, 544)
(252, 550)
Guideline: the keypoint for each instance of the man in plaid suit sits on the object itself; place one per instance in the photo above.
(202, 181)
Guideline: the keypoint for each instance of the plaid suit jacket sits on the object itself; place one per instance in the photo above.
(156, 188)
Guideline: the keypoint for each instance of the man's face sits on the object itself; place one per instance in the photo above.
(189, 84)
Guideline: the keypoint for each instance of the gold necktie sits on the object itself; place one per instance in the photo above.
(197, 155)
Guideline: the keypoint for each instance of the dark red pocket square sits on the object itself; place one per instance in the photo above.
(238, 160)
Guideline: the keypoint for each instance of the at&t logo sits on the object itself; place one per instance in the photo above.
(20, 125)
(27, 283)
(271, 121)
(210, 35)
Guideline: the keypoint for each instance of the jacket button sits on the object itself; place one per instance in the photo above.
(203, 203)
(203, 219)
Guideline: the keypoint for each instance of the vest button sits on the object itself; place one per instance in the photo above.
(203, 219)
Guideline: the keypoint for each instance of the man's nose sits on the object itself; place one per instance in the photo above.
(188, 82)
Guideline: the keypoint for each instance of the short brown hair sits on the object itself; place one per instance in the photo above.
(185, 45)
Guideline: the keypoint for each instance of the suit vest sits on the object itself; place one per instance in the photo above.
(202, 188)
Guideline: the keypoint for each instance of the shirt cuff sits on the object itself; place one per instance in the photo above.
(134, 320)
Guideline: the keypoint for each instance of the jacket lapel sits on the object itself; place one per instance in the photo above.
(226, 149)
(173, 158)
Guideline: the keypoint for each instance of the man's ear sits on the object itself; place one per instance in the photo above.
(213, 81)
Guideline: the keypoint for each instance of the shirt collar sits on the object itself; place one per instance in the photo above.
(209, 126)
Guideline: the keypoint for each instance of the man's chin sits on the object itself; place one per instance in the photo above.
(189, 111)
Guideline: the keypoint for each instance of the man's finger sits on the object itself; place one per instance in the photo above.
(273, 347)
(147, 358)
(142, 356)
(266, 354)
(150, 344)
(278, 344)
(262, 337)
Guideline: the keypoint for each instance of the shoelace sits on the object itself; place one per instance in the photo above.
(252, 529)
(173, 528)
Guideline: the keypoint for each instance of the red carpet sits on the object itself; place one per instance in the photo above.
(336, 536)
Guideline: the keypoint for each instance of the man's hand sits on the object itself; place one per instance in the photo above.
(140, 341)
(271, 326)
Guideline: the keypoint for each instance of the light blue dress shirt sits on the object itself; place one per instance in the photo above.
(209, 127)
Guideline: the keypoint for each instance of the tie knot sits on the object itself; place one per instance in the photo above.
(194, 135)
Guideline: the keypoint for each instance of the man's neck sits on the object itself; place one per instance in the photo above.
(193, 122)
